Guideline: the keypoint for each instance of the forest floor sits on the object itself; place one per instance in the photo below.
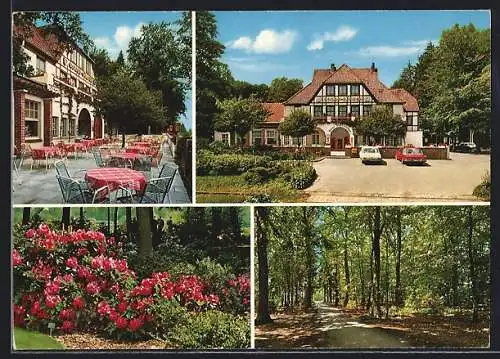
(331, 327)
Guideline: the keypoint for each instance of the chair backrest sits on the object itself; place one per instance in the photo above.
(71, 190)
(159, 187)
(61, 169)
(167, 171)
(143, 164)
(98, 159)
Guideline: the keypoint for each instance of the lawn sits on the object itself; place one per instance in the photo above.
(230, 189)
(27, 340)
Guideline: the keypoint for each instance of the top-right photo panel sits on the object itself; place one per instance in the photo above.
(343, 106)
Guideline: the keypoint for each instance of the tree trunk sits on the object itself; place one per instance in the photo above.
(376, 258)
(309, 260)
(109, 220)
(82, 217)
(386, 279)
(66, 215)
(263, 304)
(123, 138)
(26, 215)
(398, 291)
(346, 265)
(145, 240)
(128, 214)
(336, 298)
(115, 226)
(472, 268)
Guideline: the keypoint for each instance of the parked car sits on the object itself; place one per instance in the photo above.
(370, 154)
(411, 155)
(464, 147)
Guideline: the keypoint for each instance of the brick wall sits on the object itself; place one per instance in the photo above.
(19, 97)
(47, 122)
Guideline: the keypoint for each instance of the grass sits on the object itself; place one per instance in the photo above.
(230, 189)
(27, 340)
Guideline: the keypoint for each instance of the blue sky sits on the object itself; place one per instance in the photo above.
(261, 46)
(113, 30)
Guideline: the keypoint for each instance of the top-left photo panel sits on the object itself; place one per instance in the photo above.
(101, 107)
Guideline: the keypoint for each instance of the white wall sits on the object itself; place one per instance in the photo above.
(414, 138)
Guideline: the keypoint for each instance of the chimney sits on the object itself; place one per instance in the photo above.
(332, 67)
(373, 68)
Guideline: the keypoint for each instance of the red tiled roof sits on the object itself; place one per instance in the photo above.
(46, 43)
(411, 103)
(344, 74)
(277, 111)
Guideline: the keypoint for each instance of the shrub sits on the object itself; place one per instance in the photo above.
(259, 198)
(212, 330)
(301, 177)
(218, 147)
(257, 175)
(82, 280)
(483, 190)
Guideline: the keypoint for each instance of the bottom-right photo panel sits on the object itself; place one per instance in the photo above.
(372, 277)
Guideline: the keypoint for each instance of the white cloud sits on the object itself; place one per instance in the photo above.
(119, 42)
(343, 33)
(388, 51)
(255, 64)
(268, 41)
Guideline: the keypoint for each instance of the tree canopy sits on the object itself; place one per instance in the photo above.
(380, 123)
(282, 88)
(297, 124)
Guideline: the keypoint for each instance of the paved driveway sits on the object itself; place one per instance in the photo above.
(348, 180)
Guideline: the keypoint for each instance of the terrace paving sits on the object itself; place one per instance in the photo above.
(40, 187)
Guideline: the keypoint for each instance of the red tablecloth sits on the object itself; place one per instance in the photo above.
(138, 149)
(126, 155)
(72, 147)
(42, 152)
(115, 177)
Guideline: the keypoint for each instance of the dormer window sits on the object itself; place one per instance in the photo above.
(342, 90)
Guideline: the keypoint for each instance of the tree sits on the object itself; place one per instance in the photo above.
(145, 236)
(240, 116)
(159, 58)
(127, 104)
(243, 89)
(66, 216)
(263, 316)
(407, 79)
(213, 78)
(297, 124)
(26, 215)
(120, 60)
(381, 123)
(282, 88)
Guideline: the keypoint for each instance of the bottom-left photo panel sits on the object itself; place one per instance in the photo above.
(123, 278)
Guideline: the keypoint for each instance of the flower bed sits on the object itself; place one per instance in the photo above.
(82, 281)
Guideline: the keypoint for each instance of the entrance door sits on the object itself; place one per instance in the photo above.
(340, 144)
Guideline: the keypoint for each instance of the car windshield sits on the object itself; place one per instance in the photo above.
(370, 150)
(413, 151)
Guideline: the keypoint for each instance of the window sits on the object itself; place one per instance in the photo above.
(55, 126)
(257, 137)
(88, 67)
(342, 90)
(315, 138)
(354, 90)
(411, 123)
(330, 110)
(318, 110)
(286, 140)
(73, 56)
(71, 129)
(355, 110)
(298, 141)
(343, 110)
(367, 109)
(72, 81)
(63, 127)
(271, 137)
(63, 76)
(32, 118)
(330, 90)
(225, 138)
(40, 66)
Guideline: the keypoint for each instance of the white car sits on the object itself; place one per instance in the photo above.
(370, 154)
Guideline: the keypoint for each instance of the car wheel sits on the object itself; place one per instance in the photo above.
(403, 162)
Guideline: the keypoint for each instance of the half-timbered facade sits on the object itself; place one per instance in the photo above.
(55, 103)
(335, 98)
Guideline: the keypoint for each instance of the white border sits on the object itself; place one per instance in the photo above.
(193, 106)
(252, 277)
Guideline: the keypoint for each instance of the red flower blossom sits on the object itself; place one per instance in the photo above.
(51, 301)
(16, 258)
(121, 323)
(122, 307)
(72, 262)
(103, 308)
(68, 278)
(92, 288)
(67, 326)
(78, 303)
(135, 324)
(30, 233)
(67, 314)
(82, 251)
(52, 288)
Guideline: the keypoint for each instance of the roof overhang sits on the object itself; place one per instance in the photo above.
(37, 89)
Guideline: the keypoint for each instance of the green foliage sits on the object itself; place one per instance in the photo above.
(209, 163)
(298, 123)
(218, 147)
(381, 122)
(257, 175)
(407, 79)
(126, 103)
(239, 115)
(282, 88)
(212, 330)
(483, 190)
(302, 176)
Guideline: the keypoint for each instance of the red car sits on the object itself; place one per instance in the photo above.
(411, 155)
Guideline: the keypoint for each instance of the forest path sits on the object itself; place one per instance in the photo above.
(326, 327)
(341, 330)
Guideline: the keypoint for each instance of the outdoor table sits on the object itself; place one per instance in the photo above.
(115, 177)
(138, 149)
(88, 143)
(45, 151)
(127, 155)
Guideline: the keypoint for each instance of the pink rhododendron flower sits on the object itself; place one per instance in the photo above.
(51, 301)
(135, 324)
(92, 288)
(30, 233)
(121, 323)
(17, 259)
(72, 262)
(78, 303)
